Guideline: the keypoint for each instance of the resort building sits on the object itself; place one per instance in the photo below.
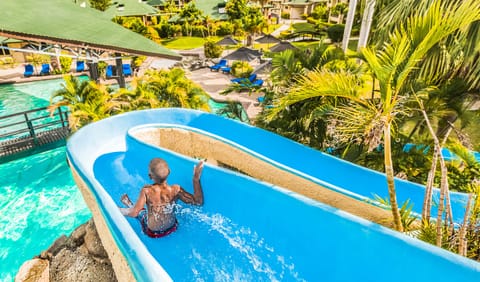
(297, 8)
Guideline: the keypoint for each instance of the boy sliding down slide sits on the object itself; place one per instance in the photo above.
(159, 219)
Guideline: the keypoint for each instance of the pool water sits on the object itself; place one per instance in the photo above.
(20, 97)
(39, 202)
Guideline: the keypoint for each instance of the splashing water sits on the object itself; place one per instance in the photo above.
(244, 255)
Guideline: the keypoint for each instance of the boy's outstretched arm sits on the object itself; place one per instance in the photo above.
(197, 197)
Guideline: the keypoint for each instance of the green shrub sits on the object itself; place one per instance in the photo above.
(285, 16)
(241, 69)
(177, 30)
(165, 30)
(38, 59)
(102, 66)
(137, 61)
(199, 31)
(225, 28)
(335, 32)
(320, 12)
(211, 49)
(65, 64)
(311, 20)
(7, 61)
(304, 16)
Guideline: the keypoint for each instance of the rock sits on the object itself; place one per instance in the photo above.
(80, 257)
(93, 243)
(57, 245)
(70, 265)
(34, 270)
(77, 237)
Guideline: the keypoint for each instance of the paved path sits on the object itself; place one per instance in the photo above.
(215, 82)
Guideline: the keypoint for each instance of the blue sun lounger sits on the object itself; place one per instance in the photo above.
(109, 71)
(127, 70)
(80, 66)
(217, 67)
(28, 70)
(45, 69)
(251, 78)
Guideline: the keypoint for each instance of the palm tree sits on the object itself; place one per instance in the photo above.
(173, 89)
(86, 100)
(233, 110)
(395, 65)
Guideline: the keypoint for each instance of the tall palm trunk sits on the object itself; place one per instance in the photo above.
(427, 201)
(397, 222)
(348, 24)
(366, 24)
(462, 233)
(441, 202)
(443, 181)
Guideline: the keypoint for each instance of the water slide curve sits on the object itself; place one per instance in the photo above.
(248, 229)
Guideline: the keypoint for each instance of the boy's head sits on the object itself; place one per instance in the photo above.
(158, 170)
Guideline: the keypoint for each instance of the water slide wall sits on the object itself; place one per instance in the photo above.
(248, 229)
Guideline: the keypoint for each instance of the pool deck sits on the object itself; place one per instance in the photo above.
(212, 82)
(215, 82)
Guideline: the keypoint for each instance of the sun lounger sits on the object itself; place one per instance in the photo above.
(28, 70)
(80, 66)
(225, 69)
(258, 83)
(250, 79)
(127, 70)
(109, 71)
(222, 63)
(45, 69)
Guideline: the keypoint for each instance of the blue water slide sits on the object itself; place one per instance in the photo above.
(250, 230)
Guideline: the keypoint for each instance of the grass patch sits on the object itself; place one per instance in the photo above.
(306, 44)
(186, 42)
(299, 27)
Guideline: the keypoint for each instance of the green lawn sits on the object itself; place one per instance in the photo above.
(298, 27)
(186, 42)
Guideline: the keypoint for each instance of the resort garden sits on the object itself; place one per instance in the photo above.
(415, 86)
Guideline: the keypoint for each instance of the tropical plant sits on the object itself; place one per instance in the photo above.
(236, 9)
(395, 65)
(340, 9)
(101, 5)
(66, 64)
(87, 101)
(335, 32)
(173, 89)
(233, 110)
(241, 69)
(211, 49)
(408, 219)
(190, 15)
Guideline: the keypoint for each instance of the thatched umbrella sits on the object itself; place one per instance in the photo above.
(227, 40)
(267, 39)
(282, 46)
(243, 54)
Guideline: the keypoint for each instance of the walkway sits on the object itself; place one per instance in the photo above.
(215, 82)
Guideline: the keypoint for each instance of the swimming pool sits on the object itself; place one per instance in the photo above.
(38, 203)
(20, 97)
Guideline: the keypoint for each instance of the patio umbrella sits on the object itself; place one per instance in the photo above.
(243, 54)
(282, 46)
(267, 39)
(227, 40)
